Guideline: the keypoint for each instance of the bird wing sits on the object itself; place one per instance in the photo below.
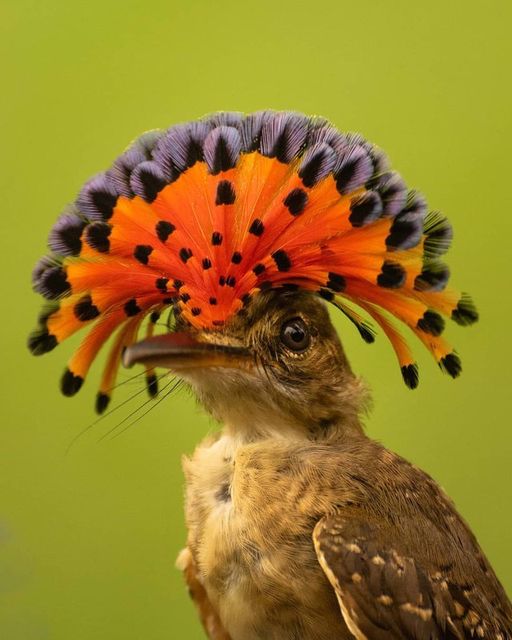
(384, 593)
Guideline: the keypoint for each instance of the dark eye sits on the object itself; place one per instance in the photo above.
(295, 335)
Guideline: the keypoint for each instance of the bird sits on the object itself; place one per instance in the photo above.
(246, 232)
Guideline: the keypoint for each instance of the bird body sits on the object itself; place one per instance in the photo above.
(252, 508)
(250, 516)
(243, 228)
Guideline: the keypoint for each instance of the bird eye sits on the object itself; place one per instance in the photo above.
(295, 335)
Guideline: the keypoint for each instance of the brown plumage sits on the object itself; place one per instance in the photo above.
(299, 525)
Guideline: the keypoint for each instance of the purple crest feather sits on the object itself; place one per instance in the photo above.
(251, 127)
(98, 197)
(393, 192)
(354, 169)
(65, 235)
(147, 180)
(222, 148)
(181, 147)
(49, 278)
(226, 119)
(318, 161)
(283, 136)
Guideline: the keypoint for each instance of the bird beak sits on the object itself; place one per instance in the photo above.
(180, 351)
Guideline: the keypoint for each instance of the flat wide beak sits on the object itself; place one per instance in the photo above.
(180, 351)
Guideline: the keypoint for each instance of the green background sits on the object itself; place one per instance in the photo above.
(88, 539)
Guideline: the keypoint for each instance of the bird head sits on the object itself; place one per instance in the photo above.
(243, 227)
(277, 364)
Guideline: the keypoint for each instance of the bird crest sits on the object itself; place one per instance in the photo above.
(201, 217)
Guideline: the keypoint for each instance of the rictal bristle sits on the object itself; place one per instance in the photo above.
(201, 217)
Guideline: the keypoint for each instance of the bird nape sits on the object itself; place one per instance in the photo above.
(299, 525)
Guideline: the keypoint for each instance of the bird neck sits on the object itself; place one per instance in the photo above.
(259, 422)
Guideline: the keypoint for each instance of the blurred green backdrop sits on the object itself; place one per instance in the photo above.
(88, 540)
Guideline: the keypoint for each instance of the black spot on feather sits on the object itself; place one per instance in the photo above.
(52, 283)
(206, 263)
(230, 281)
(142, 253)
(365, 209)
(258, 269)
(365, 333)
(70, 384)
(431, 323)
(318, 161)
(326, 294)
(213, 301)
(344, 176)
(185, 297)
(98, 198)
(354, 170)
(451, 365)
(405, 233)
(216, 238)
(410, 375)
(336, 282)
(65, 236)
(196, 311)
(102, 402)
(222, 148)
(296, 201)
(85, 310)
(225, 193)
(236, 258)
(465, 312)
(131, 308)
(433, 277)
(161, 284)
(392, 275)
(185, 254)
(257, 228)
(41, 341)
(283, 262)
(147, 180)
(164, 229)
(96, 236)
(152, 385)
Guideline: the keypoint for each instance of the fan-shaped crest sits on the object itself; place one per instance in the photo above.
(204, 215)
